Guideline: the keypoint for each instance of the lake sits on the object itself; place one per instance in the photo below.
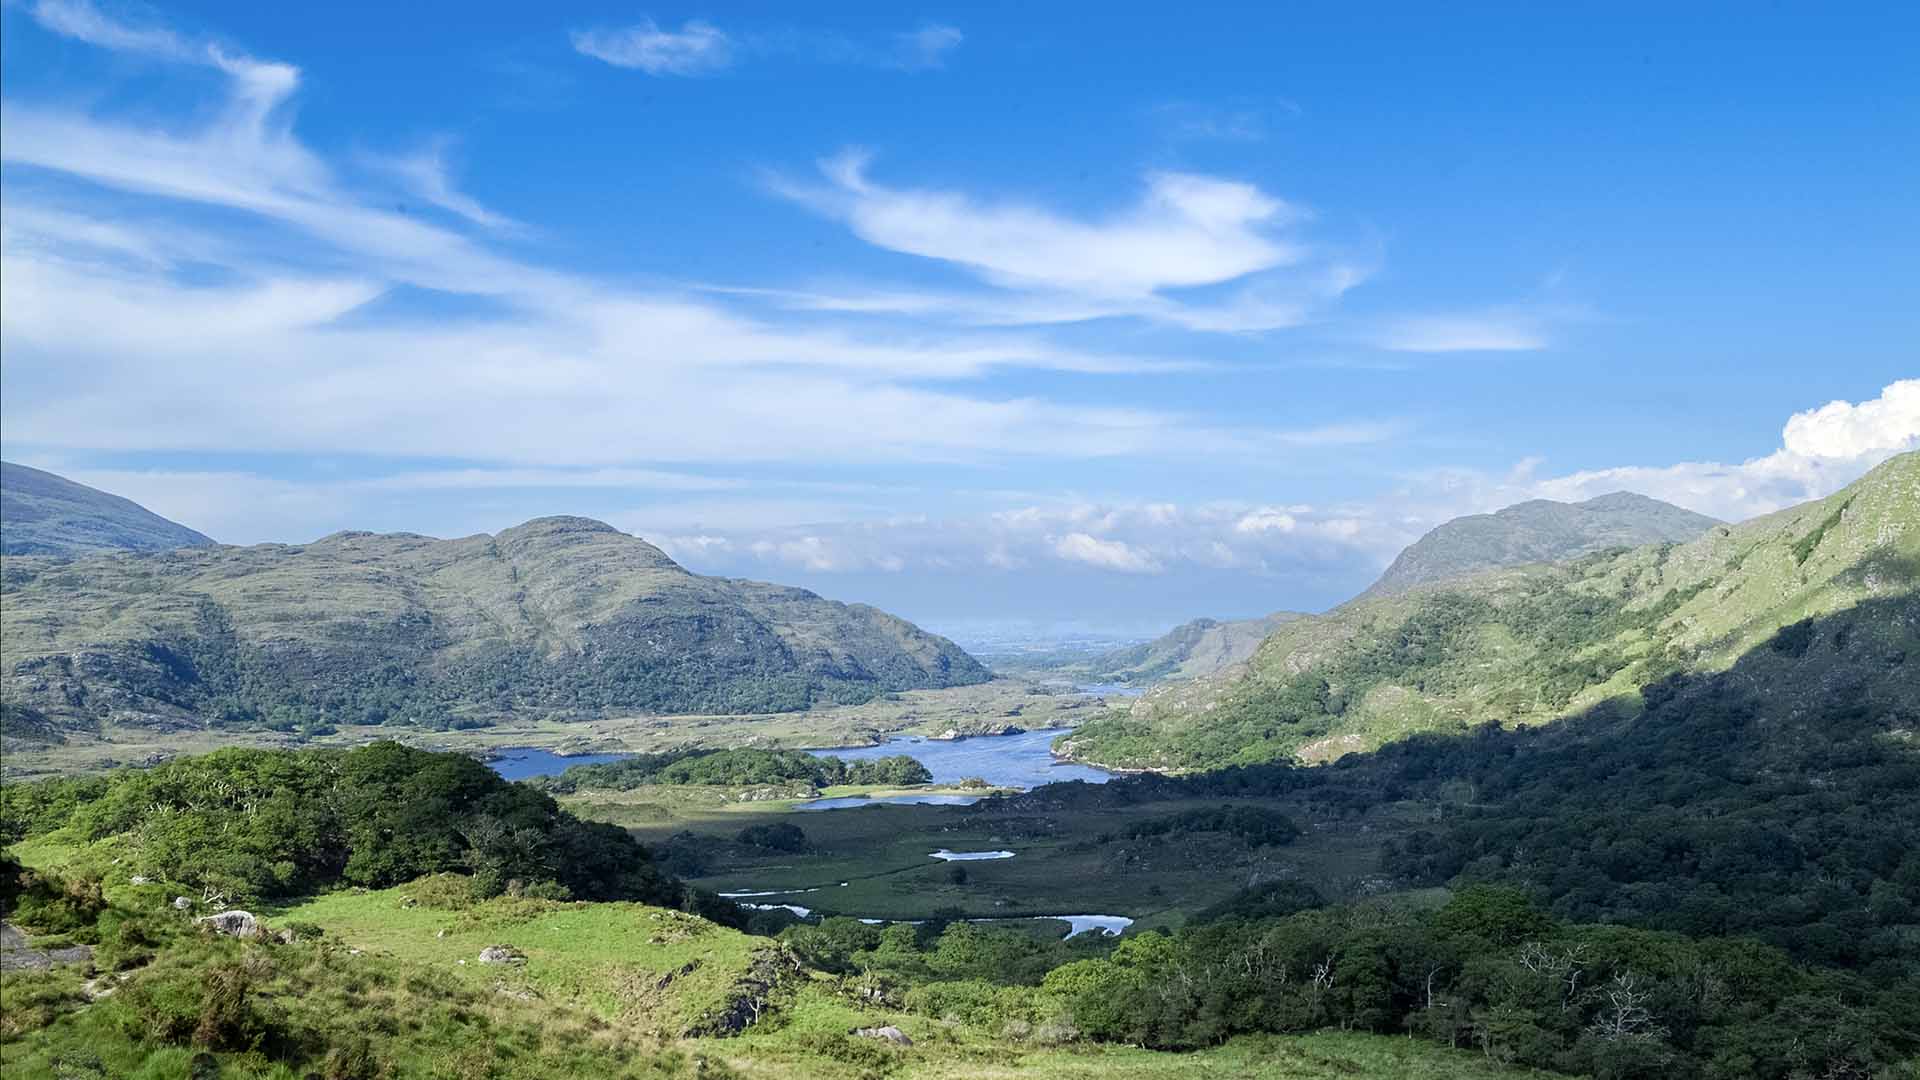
(1018, 761)
(1005, 761)
(524, 763)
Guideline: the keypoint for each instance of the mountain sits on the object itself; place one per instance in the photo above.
(1538, 531)
(44, 514)
(1188, 651)
(1834, 579)
(561, 616)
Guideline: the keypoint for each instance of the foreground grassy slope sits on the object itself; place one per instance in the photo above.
(387, 983)
(560, 616)
(1532, 644)
(44, 514)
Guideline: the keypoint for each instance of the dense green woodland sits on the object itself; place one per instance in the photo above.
(260, 824)
(740, 767)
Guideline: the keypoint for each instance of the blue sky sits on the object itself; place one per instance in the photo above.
(1024, 311)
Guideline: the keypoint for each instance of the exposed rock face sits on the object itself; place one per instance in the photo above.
(240, 924)
(17, 955)
(890, 1033)
(502, 954)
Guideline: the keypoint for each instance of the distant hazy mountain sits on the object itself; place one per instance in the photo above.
(1825, 596)
(557, 617)
(44, 514)
(1538, 531)
(1188, 651)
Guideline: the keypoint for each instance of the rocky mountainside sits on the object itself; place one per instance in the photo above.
(1832, 586)
(560, 616)
(44, 514)
(1188, 651)
(1538, 531)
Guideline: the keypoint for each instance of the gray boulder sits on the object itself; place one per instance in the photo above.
(502, 954)
(181, 903)
(240, 924)
(890, 1033)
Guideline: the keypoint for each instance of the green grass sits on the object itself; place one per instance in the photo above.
(1062, 866)
(606, 958)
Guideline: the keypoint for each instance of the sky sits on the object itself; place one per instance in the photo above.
(1079, 315)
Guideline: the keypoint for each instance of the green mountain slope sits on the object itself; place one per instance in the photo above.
(1538, 531)
(1532, 644)
(556, 616)
(1188, 651)
(44, 514)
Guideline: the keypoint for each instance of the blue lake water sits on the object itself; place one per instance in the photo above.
(848, 802)
(1006, 761)
(1109, 689)
(521, 763)
(1021, 761)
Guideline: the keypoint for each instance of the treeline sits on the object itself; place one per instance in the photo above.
(1257, 825)
(1487, 971)
(741, 767)
(261, 824)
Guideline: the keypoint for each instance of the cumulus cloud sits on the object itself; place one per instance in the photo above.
(697, 48)
(1821, 451)
(1104, 554)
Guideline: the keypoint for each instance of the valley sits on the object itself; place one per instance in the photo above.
(1436, 812)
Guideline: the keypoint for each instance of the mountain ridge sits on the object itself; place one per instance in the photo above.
(43, 513)
(556, 616)
(1193, 649)
(1538, 530)
(1531, 644)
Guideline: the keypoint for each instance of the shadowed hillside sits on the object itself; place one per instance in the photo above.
(556, 616)
(1532, 644)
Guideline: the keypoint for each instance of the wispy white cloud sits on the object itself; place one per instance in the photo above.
(697, 48)
(702, 48)
(425, 172)
(1489, 331)
(1198, 252)
(927, 47)
(1185, 230)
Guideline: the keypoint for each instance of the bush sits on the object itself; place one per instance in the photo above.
(781, 836)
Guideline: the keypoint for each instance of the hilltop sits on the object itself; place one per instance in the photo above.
(560, 616)
(1188, 651)
(44, 514)
(1528, 645)
(1537, 531)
